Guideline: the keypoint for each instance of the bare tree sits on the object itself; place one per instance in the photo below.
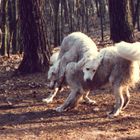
(136, 11)
(34, 37)
(121, 22)
(3, 29)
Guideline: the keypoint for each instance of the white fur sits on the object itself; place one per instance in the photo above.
(77, 41)
(136, 75)
(52, 73)
(73, 69)
(91, 66)
(129, 55)
(74, 47)
(88, 71)
(54, 57)
(129, 51)
(53, 68)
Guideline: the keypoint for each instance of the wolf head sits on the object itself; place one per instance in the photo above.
(91, 67)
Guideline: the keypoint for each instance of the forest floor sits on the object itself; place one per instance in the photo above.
(23, 115)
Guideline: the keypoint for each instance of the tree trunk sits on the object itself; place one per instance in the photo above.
(56, 22)
(34, 39)
(121, 23)
(135, 13)
(3, 26)
(13, 27)
(138, 19)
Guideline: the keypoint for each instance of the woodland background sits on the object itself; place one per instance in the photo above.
(29, 30)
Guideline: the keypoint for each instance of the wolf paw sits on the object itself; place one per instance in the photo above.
(47, 100)
(59, 109)
(112, 115)
(91, 101)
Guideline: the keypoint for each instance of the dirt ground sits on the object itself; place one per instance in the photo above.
(23, 115)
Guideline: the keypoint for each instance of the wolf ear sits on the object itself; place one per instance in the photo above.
(82, 62)
(99, 58)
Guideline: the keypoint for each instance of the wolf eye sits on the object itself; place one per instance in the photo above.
(94, 70)
(87, 69)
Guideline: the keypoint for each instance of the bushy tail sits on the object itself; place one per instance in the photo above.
(129, 51)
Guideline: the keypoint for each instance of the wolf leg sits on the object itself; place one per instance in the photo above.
(71, 101)
(64, 61)
(51, 96)
(87, 99)
(126, 96)
(119, 101)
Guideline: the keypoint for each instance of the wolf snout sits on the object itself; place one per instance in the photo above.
(88, 80)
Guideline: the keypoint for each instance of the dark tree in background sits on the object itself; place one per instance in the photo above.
(136, 13)
(34, 36)
(8, 26)
(55, 4)
(121, 21)
(3, 29)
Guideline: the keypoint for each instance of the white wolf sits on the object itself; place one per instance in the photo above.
(74, 47)
(111, 65)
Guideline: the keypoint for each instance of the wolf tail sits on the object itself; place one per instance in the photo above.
(129, 51)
